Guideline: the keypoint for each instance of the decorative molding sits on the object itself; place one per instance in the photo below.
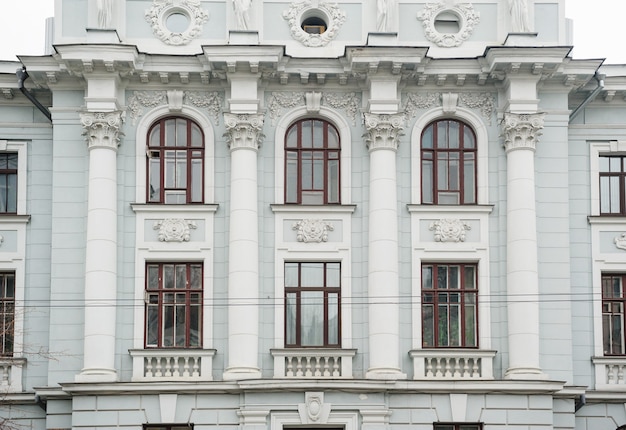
(349, 102)
(449, 230)
(383, 131)
(620, 241)
(312, 230)
(174, 229)
(415, 101)
(244, 131)
(486, 102)
(211, 101)
(335, 18)
(102, 129)
(281, 100)
(157, 16)
(314, 410)
(521, 131)
(468, 19)
(1, 240)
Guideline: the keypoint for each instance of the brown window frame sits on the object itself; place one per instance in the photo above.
(163, 298)
(431, 183)
(457, 426)
(188, 426)
(300, 152)
(610, 300)
(159, 153)
(432, 297)
(297, 290)
(8, 182)
(606, 174)
(7, 314)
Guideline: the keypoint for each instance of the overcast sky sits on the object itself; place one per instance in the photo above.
(599, 28)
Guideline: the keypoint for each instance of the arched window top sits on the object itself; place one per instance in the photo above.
(448, 163)
(175, 161)
(312, 163)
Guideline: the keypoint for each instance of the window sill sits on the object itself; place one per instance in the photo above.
(160, 208)
(606, 219)
(168, 364)
(439, 209)
(313, 363)
(293, 208)
(446, 364)
(14, 218)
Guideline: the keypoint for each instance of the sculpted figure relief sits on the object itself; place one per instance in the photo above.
(382, 20)
(242, 13)
(105, 13)
(519, 16)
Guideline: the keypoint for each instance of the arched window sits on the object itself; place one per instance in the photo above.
(312, 170)
(448, 162)
(175, 162)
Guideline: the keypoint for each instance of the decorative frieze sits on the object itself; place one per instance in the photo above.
(521, 131)
(244, 130)
(211, 101)
(174, 229)
(383, 131)
(349, 102)
(283, 100)
(485, 102)
(161, 10)
(102, 129)
(335, 18)
(449, 230)
(312, 230)
(280, 100)
(467, 16)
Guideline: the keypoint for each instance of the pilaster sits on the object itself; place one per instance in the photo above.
(383, 132)
(102, 132)
(521, 133)
(243, 137)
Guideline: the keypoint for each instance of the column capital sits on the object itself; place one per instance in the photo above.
(383, 130)
(521, 131)
(244, 131)
(103, 129)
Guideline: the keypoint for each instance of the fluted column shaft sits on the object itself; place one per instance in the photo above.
(383, 289)
(244, 133)
(521, 132)
(102, 131)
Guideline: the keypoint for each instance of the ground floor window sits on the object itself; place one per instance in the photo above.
(7, 313)
(440, 426)
(613, 325)
(167, 427)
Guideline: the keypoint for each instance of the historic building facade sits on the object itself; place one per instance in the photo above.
(380, 215)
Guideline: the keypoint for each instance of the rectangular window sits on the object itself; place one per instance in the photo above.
(440, 426)
(613, 300)
(168, 427)
(173, 305)
(7, 313)
(449, 306)
(312, 304)
(612, 176)
(8, 182)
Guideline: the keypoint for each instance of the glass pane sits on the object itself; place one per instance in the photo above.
(333, 181)
(427, 184)
(194, 325)
(307, 171)
(455, 325)
(318, 171)
(153, 277)
(291, 275)
(181, 169)
(10, 287)
(3, 193)
(454, 281)
(427, 137)
(442, 326)
(470, 279)
(196, 136)
(617, 344)
(290, 319)
(312, 274)
(606, 333)
(333, 273)
(468, 138)
(442, 171)
(468, 181)
(179, 337)
(307, 135)
(168, 276)
(454, 167)
(155, 179)
(428, 328)
(605, 190)
(427, 277)
(196, 277)
(453, 134)
(312, 318)
(196, 181)
(442, 277)
(181, 276)
(181, 132)
(155, 136)
(152, 330)
(168, 325)
(448, 198)
(615, 194)
(615, 164)
(333, 319)
(291, 141)
(442, 134)
(170, 132)
(291, 178)
(333, 137)
(470, 321)
(170, 169)
(318, 134)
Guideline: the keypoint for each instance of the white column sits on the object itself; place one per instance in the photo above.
(383, 290)
(244, 132)
(521, 132)
(102, 131)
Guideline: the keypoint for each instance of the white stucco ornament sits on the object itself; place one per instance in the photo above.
(328, 12)
(620, 241)
(174, 229)
(449, 230)
(314, 410)
(467, 17)
(312, 230)
(187, 13)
